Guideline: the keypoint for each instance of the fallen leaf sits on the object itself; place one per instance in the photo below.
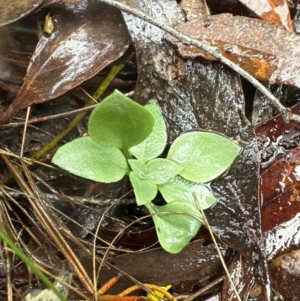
(203, 95)
(84, 41)
(162, 268)
(18, 45)
(296, 20)
(279, 144)
(15, 52)
(11, 11)
(199, 95)
(284, 271)
(275, 12)
(241, 272)
(276, 138)
(194, 8)
(269, 53)
(281, 207)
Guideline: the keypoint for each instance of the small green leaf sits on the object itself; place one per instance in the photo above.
(145, 190)
(155, 143)
(85, 158)
(180, 189)
(162, 170)
(175, 230)
(120, 122)
(138, 167)
(203, 155)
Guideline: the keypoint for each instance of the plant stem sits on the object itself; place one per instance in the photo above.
(104, 85)
(214, 51)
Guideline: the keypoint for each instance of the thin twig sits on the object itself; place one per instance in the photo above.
(56, 116)
(214, 51)
(50, 117)
(25, 131)
(204, 289)
(80, 200)
(217, 248)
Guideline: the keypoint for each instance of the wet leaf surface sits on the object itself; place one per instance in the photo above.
(15, 51)
(20, 43)
(276, 138)
(241, 272)
(162, 268)
(281, 207)
(74, 52)
(279, 143)
(249, 43)
(284, 271)
(202, 95)
(197, 95)
(13, 10)
(296, 20)
(234, 7)
(192, 94)
(275, 12)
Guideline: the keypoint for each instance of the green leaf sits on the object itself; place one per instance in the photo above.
(175, 231)
(138, 167)
(203, 155)
(180, 189)
(85, 158)
(162, 170)
(155, 143)
(145, 190)
(120, 122)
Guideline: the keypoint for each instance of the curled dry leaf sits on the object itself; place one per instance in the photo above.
(84, 41)
(13, 10)
(275, 12)
(267, 52)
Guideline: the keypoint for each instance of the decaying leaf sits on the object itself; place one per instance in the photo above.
(284, 271)
(15, 53)
(208, 96)
(65, 277)
(162, 268)
(84, 41)
(267, 52)
(195, 8)
(203, 95)
(241, 272)
(275, 12)
(276, 138)
(13, 10)
(279, 143)
(281, 208)
(18, 45)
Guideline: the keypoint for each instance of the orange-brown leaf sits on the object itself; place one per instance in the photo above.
(267, 52)
(275, 12)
